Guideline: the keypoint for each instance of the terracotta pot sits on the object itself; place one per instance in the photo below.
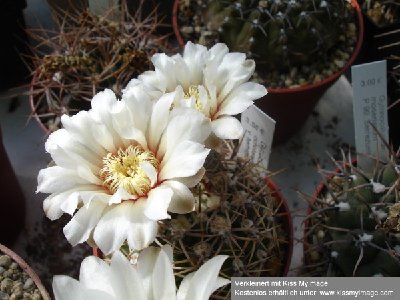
(287, 222)
(27, 269)
(12, 201)
(290, 108)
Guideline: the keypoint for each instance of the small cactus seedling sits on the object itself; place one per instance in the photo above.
(238, 215)
(282, 35)
(354, 226)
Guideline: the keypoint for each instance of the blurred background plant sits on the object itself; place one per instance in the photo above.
(381, 12)
(86, 53)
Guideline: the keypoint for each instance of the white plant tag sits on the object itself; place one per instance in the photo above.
(370, 106)
(101, 7)
(258, 134)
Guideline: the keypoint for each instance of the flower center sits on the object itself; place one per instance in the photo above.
(124, 170)
(194, 92)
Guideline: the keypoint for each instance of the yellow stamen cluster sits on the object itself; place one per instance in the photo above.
(123, 170)
(194, 92)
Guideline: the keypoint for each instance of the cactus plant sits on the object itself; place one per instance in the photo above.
(238, 215)
(284, 36)
(354, 224)
(88, 53)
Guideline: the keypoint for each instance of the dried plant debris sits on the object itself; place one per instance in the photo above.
(86, 54)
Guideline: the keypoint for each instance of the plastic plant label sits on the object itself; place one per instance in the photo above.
(258, 134)
(370, 107)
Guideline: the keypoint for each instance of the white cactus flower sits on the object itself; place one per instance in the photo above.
(119, 168)
(214, 81)
(152, 278)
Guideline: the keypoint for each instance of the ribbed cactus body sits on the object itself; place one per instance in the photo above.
(356, 224)
(280, 34)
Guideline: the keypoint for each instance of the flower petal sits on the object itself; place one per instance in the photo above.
(184, 286)
(227, 128)
(125, 279)
(69, 206)
(241, 98)
(67, 152)
(185, 124)
(157, 204)
(217, 52)
(207, 275)
(150, 171)
(163, 66)
(81, 225)
(132, 124)
(125, 221)
(83, 171)
(145, 267)
(67, 288)
(119, 195)
(57, 179)
(54, 205)
(159, 120)
(195, 56)
(182, 201)
(80, 126)
(191, 181)
(185, 160)
(95, 274)
(163, 277)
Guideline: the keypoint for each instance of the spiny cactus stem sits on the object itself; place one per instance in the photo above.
(314, 265)
(390, 252)
(319, 211)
